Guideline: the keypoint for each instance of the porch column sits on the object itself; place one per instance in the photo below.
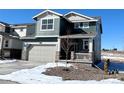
(24, 52)
(58, 49)
(1, 45)
(59, 44)
(90, 45)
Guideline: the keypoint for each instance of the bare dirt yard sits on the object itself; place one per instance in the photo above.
(80, 71)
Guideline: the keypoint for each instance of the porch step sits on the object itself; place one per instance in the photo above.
(77, 61)
(82, 60)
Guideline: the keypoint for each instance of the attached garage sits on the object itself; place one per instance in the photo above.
(43, 53)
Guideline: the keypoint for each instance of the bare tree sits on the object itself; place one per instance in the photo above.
(66, 44)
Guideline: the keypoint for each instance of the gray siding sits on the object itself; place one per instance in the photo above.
(97, 44)
(46, 33)
(16, 44)
(12, 43)
(65, 26)
(92, 28)
(45, 39)
(31, 30)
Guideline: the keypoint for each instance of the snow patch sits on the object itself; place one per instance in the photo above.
(35, 76)
(7, 61)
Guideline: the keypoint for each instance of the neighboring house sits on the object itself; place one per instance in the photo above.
(23, 30)
(51, 28)
(10, 44)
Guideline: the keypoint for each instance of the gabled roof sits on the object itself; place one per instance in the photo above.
(99, 21)
(9, 35)
(23, 24)
(81, 15)
(4, 24)
(46, 12)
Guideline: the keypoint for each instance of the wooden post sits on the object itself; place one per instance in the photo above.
(2, 44)
(90, 45)
(106, 64)
(72, 55)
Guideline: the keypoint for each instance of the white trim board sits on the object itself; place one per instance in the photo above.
(48, 36)
(73, 21)
(2, 24)
(72, 12)
(47, 11)
(40, 43)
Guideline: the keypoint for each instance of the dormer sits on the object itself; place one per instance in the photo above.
(82, 22)
(77, 17)
(47, 23)
(4, 27)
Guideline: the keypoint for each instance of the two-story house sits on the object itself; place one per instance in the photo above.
(22, 30)
(10, 43)
(52, 28)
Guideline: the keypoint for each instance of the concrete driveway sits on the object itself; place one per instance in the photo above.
(15, 66)
(8, 68)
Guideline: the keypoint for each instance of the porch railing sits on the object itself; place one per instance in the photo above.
(82, 56)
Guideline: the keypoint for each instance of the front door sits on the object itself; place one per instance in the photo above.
(85, 44)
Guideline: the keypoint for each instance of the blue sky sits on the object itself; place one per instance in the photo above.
(112, 22)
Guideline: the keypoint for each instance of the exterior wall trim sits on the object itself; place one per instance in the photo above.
(72, 12)
(48, 36)
(47, 11)
(37, 43)
(2, 24)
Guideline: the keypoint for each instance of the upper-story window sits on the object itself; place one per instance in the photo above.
(1, 28)
(6, 43)
(81, 25)
(21, 29)
(86, 25)
(47, 24)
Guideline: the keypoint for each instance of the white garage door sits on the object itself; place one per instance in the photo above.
(44, 53)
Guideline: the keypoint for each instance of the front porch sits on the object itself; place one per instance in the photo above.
(82, 57)
(81, 49)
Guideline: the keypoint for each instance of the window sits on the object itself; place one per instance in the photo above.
(47, 24)
(86, 25)
(21, 29)
(76, 25)
(81, 25)
(6, 43)
(85, 44)
(1, 28)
